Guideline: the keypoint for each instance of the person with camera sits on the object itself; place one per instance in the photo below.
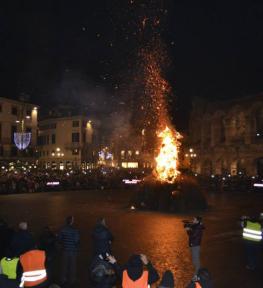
(103, 274)
(138, 272)
(195, 233)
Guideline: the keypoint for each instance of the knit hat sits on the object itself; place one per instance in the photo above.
(167, 280)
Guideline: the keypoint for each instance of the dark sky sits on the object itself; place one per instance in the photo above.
(215, 47)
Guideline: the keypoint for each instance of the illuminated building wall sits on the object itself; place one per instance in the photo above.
(227, 136)
(67, 142)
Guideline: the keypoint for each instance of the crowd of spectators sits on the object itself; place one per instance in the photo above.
(27, 261)
(37, 180)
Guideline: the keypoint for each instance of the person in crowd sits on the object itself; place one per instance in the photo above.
(48, 243)
(33, 264)
(195, 233)
(102, 238)
(167, 280)
(69, 239)
(252, 237)
(138, 272)
(22, 240)
(6, 235)
(102, 272)
(203, 280)
(10, 270)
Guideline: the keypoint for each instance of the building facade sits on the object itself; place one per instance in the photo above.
(227, 136)
(67, 142)
(17, 116)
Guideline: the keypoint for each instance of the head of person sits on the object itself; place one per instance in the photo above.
(70, 220)
(135, 266)
(167, 280)
(197, 220)
(101, 221)
(23, 226)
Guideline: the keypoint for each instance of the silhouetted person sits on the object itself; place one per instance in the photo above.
(69, 239)
(102, 238)
(23, 240)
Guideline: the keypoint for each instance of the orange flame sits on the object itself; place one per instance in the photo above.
(167, 160)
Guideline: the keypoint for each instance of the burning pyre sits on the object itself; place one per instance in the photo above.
(158, 89)
(167, 160)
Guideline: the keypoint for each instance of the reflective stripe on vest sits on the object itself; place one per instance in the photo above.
(9, 267)
(142, 282)
(33, 276)
(33, 264)
(252, 232)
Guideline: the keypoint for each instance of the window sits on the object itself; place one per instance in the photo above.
(53, 138)
(75, 137)
(75, 123)
(75, 152)
(122, 154)
(14, 110)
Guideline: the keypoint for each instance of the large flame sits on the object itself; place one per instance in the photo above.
(167, 160)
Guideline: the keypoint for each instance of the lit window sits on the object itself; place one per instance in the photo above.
(132, 165)
(122, 154)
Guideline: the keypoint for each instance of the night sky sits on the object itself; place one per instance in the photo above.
(49, 48)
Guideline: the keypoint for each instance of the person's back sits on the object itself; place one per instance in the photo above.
(34, 270)
(138, 272)
(102, 238)
(22, 240)
(69, 238)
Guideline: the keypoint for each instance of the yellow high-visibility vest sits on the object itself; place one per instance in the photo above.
(252, 231)
(9, 267)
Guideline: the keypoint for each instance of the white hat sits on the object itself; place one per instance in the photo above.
(23, 225)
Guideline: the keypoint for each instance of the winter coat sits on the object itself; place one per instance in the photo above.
(69, 238)
(102, 239)
(22, 242)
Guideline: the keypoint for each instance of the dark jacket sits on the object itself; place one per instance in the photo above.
(69, 238)
(135, 272)
(99, 277)
(195, 234)
(22, 242)
(102, 239)
(6, 236)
